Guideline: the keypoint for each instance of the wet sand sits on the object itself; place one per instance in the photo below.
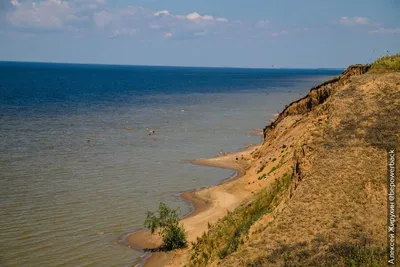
(257, 132)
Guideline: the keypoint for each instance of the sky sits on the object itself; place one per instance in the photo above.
(214, 33)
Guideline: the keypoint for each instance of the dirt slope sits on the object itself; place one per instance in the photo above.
(314, 193)
(339, 134)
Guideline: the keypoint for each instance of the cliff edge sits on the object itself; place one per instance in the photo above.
(334, 143)
(314, 193)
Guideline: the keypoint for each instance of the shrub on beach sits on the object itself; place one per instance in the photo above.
(167, 225)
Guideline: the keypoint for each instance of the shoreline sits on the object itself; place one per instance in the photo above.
(233, 191)
(143, 241)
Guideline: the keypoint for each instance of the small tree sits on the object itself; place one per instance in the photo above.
(167, 224)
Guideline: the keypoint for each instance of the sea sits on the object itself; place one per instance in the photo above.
(78, 168)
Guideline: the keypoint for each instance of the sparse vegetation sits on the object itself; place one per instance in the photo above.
(319, 253)
(262, 176)
(230, 232)
(273, 159)
(281, 162)
(167, 225)
(386, 64)
(273, 169)
(261, 168)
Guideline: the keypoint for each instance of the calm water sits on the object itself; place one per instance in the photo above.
(65, 202)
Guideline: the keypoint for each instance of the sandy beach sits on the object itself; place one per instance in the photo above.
(210, 204)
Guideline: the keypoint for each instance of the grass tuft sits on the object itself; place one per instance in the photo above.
(261, 169)
(262, 176)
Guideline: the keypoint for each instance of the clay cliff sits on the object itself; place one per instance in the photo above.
(335, 210)
(314, 193)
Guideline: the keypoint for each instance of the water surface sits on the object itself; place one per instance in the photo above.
(64, 201)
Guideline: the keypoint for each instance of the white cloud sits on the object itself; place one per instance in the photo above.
(15, 3)
(222, 20)
(386, 31)
(47, 15)
(102, 18)
(197, 16)
(99, 18)
(163, 12)
(155, 26)
(123, 31)
(361, 20)
(262, 23)
(168, 35)
(181, 17)
(356, 21)
(61, 14)
(58, 2)
(279, 33)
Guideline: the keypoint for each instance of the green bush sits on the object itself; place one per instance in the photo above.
(167, 225)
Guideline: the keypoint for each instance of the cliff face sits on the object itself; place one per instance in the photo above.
(327, 154)
(314, 192)
(338, 136)
(317, 95)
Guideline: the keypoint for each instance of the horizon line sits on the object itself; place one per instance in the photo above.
(173, 66)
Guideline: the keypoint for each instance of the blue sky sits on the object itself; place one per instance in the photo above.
(232, 33)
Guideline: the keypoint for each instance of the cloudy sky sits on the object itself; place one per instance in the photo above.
(234, 33)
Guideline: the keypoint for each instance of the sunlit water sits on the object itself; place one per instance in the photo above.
(65, 202)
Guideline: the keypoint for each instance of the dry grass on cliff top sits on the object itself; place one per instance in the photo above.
(336, 215)
(386, 64)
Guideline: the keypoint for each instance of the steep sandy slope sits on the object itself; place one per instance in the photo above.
(336, 211)
(314, 193)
